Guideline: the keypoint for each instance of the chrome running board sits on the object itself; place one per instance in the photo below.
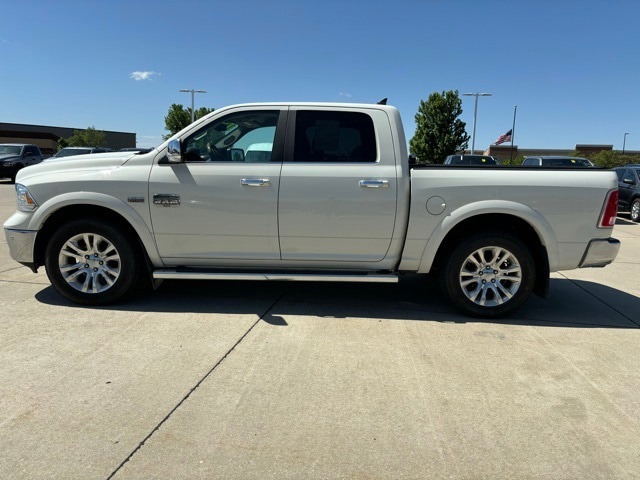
(186, 274)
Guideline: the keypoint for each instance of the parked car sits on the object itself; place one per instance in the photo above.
(135, 150)
(629, 190)
(70, 151)
(471, 160)
(557, 161)
(14, 156)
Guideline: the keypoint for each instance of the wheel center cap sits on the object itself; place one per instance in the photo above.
(94, 261)
(489, 274)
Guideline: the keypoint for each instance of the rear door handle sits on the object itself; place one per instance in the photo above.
(255, 182)
(374, 183)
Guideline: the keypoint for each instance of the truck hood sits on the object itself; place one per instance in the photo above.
(8, 156)
(93, 161)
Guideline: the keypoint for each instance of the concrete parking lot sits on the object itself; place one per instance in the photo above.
(251, 380)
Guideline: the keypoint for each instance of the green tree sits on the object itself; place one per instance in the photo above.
(439, 131)
(62, 143)
(612, 158)
(84, 138)
(178, 117)
(608, 158)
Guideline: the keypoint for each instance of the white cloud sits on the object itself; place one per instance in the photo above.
(342, 94)
(138, 76)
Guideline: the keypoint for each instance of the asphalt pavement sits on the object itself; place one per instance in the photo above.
(258, 380)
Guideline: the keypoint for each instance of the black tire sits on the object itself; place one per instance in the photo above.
(489, 275)
(635, 210)
(15, 173)
(91, 262)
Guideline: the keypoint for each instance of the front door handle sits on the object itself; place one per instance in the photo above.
(374, 183)
(255, 182)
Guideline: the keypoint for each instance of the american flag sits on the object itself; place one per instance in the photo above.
(505, 137)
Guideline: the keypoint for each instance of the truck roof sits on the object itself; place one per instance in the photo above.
(375, 106)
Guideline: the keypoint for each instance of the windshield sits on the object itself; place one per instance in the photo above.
(473, 160)
(10, 149)
(566, 162)
(66, 152)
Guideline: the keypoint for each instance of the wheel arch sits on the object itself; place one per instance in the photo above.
(536, 235)
(65, 213)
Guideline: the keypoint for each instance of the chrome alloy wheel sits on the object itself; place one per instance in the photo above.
(635, 210)
(89, 263)
(490, 276)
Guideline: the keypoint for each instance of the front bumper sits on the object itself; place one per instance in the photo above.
(600, 252)
(21, 244)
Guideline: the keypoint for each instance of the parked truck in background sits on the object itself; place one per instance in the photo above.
(14, 156)
(330, 197)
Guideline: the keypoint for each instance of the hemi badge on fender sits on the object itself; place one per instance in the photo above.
(135, 199)
(166, 199)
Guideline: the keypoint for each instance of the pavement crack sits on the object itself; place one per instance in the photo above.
(195, 387)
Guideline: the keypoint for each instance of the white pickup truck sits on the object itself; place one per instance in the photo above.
(307, 192)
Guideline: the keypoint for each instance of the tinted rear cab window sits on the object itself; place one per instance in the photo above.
(336, 137)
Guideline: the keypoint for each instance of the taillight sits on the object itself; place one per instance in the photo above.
(608, 217)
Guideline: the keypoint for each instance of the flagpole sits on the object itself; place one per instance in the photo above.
(513, 131)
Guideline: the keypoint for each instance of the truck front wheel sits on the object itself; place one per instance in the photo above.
(91, 262)
(489, 275)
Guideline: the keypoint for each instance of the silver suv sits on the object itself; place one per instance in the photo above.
(557, 161)
(69, 151)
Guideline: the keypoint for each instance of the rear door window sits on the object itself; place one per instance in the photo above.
(334, 137)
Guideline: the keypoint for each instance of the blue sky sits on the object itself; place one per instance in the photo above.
(573, 68)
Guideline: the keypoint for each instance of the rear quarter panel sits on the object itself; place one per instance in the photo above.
(563, 206)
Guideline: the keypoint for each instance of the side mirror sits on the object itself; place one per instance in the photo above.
(237, 155)
(174, 152)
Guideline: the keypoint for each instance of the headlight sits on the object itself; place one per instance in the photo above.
(26, 202)
(8, 163)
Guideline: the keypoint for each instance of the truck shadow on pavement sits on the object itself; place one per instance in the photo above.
(625, 221)
(572, 304)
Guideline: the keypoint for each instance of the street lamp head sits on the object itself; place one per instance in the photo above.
(185, 90)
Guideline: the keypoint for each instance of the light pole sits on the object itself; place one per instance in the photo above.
(475, 114)
(193, 92)
(624, 141)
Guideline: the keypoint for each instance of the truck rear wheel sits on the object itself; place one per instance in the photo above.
(489, 275)
(91, 262)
